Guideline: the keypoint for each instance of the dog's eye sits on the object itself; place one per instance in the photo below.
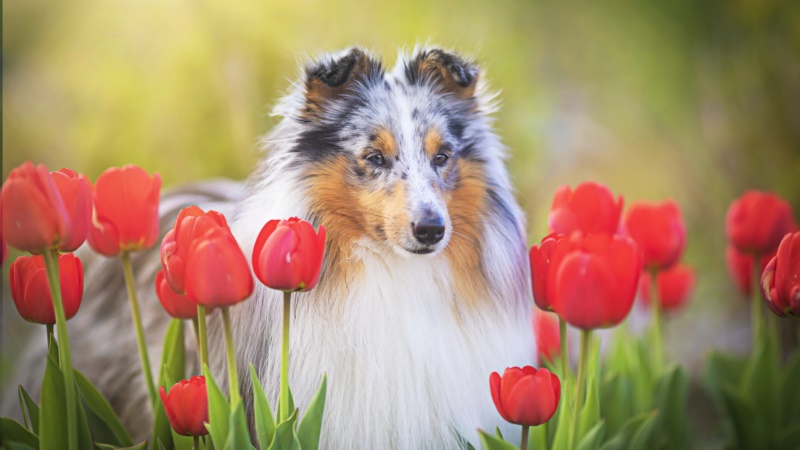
(440, 159)
(377, 159)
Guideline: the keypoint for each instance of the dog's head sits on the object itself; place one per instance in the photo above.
(396, 158)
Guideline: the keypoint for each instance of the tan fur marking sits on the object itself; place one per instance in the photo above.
(385, 142)
(432, 142)
(466, 205)
(433, 66)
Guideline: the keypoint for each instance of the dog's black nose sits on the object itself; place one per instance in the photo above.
(429, 230)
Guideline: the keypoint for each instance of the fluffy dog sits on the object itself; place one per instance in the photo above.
(425, 284)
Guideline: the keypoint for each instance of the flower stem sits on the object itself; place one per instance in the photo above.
(49, 334)
(284, 412)
(65, 359)
(580, 386)
(655, 306)
(137, 324)
(233, 376)
(755, 300)
(201, 335)
(523, 443)
(196, 443)
(562, 326)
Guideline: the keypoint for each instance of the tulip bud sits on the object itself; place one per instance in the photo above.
(780, 282)
(525, 396)
(31, 290)
(674, 287)
(176, 305)
(590, 208)
(186, 406)
(217, 273)
(757, 221)
(288, 255)
(76, 193)
(659, 232)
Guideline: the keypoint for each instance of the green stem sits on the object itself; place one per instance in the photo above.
(201, 335)
(755, 300)
(562, 326)
(65, 359)
(586, 338)
(49, 334)
(233, 376)
(523, 443)
(196, 443)
(284, 412)
(137, 324)
(655, 306)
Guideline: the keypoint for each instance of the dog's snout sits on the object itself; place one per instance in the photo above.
(429, 230)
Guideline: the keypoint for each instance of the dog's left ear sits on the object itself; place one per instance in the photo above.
(450, 72)
(331, 77)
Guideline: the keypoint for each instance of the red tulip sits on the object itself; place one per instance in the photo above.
(525, 396)
(34, 216)
(780, 283)
(288, 255)
(125, 210)
(541, 257)
(740, 267)
(176, 305)
(674, 286)
(757, 221)
(595, 279)
(3, 251)
(547, 334)
(76, 194)
(590, 208)
(31, 290)
(659, 232)
(217, 273)
(186, 406)
(191, 223)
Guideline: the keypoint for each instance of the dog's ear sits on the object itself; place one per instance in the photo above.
(450, 72)
(333, 76)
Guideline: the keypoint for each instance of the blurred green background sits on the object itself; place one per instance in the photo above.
(694, 100)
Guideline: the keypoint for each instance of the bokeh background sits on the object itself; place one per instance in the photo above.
(696, 100)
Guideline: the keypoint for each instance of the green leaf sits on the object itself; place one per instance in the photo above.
(219, 411)
(490, 442)
(722, 370)
(265, 422)
(590, 414)
(142, 446)
(593, 438)
(161, 445)
(13, 431)
(173, 359)
(671, 399)
(32, 409)
(538, 435)
(761, 380)
(498, 433)
(789, 437)
(643, 435)
(53, 409)
(750, 428)
(311, 424)
(620, 440)
(100, 407)
(790, 390)
(564, 412)
(238, 435)
(615, 402)
(285, 435)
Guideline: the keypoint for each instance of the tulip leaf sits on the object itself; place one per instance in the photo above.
(285, 435)
(13, 431)
(750, 428)
(141, 446)
(173, 359)
(490, 442)
(590, 414)
(721, 370)
(265, 422)
(790, 390)
(32, 410)
(219, 411)
(593, 438)
(671, 395)
(789, 437)
(498, 433)
(53, 429)
(238, 435)
(102, 409)
(538, 435)
(643, 435)
(621, 439)
(564, 412)
(761, 379)
(311, 425)
(615, 402)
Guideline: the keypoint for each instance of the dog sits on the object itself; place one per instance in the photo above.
(425, 285)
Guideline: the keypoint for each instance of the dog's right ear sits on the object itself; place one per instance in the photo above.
(332, 77)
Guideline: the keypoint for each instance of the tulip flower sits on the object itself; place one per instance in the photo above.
(757, 221)
(191, 223)
(541, 257)
(3, 251)
(525, 396)
(186, 406)
(76, 194)
(590, 208)
(288, 255)
(546, 333)
(34, 216)
(125, 211)
(659, 232)
(674, 286)
(593, 279)
(176, 305)
(740, 267)
(217, 273)
(31, 290)
(780, 283)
